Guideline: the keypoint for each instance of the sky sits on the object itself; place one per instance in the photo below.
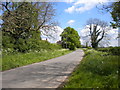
(75, 14)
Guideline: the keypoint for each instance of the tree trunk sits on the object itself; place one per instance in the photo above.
(94, 45)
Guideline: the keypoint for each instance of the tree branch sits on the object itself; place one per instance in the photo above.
(103, 33)
(6, 6)
(44, 18)
(90, 29)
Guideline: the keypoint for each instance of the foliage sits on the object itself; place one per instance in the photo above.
(30, 45)
(113, 9)
(96, 70)
(22, 22)
(22, 45)
(116, 14)
(14, 60)
(110, 50)
(72, 46)
(19, 21)
(70, 38)
(89, 47)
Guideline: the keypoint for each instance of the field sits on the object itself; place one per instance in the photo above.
(10, 61)
(96, 70)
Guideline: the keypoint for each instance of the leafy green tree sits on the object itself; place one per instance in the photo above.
(18, 20)
(23, 21)
(115, 12)
(70, 38)
(114, 9)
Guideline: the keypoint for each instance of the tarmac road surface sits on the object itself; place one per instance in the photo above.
(47, 74)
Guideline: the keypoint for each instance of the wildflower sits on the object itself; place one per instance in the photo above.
(36, 51)
(9, 49)
(102, 61)
(116, 71)
(5, 50)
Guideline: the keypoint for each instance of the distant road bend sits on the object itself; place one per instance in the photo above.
(46, 74)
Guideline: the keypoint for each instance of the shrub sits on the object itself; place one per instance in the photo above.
(42, 45)
(7, 42)
(22, 44)
(30, 45)
(111, 50)
(115, 50)
(89, 47)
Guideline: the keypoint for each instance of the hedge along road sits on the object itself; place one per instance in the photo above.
(47, 74)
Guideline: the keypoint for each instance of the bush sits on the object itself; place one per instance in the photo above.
(33, 43)
(89, 47)
(29, 45)
(7, 42)
(115, 50)
(111, 50)
(39, 45)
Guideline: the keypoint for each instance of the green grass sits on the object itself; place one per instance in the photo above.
(10, 61)
(96, 70)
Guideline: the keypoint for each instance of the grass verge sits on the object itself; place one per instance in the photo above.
(96, 70)
(10, 61)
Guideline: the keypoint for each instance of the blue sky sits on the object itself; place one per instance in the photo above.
(79, 18)
(75, 15)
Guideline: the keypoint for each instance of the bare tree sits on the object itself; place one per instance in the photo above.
(97, 31)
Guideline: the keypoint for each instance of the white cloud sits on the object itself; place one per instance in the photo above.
(54, 33)
(70, 22)
(68, 1)
(70, 9)
(84, 34)
(113, 35)
(84, 5)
